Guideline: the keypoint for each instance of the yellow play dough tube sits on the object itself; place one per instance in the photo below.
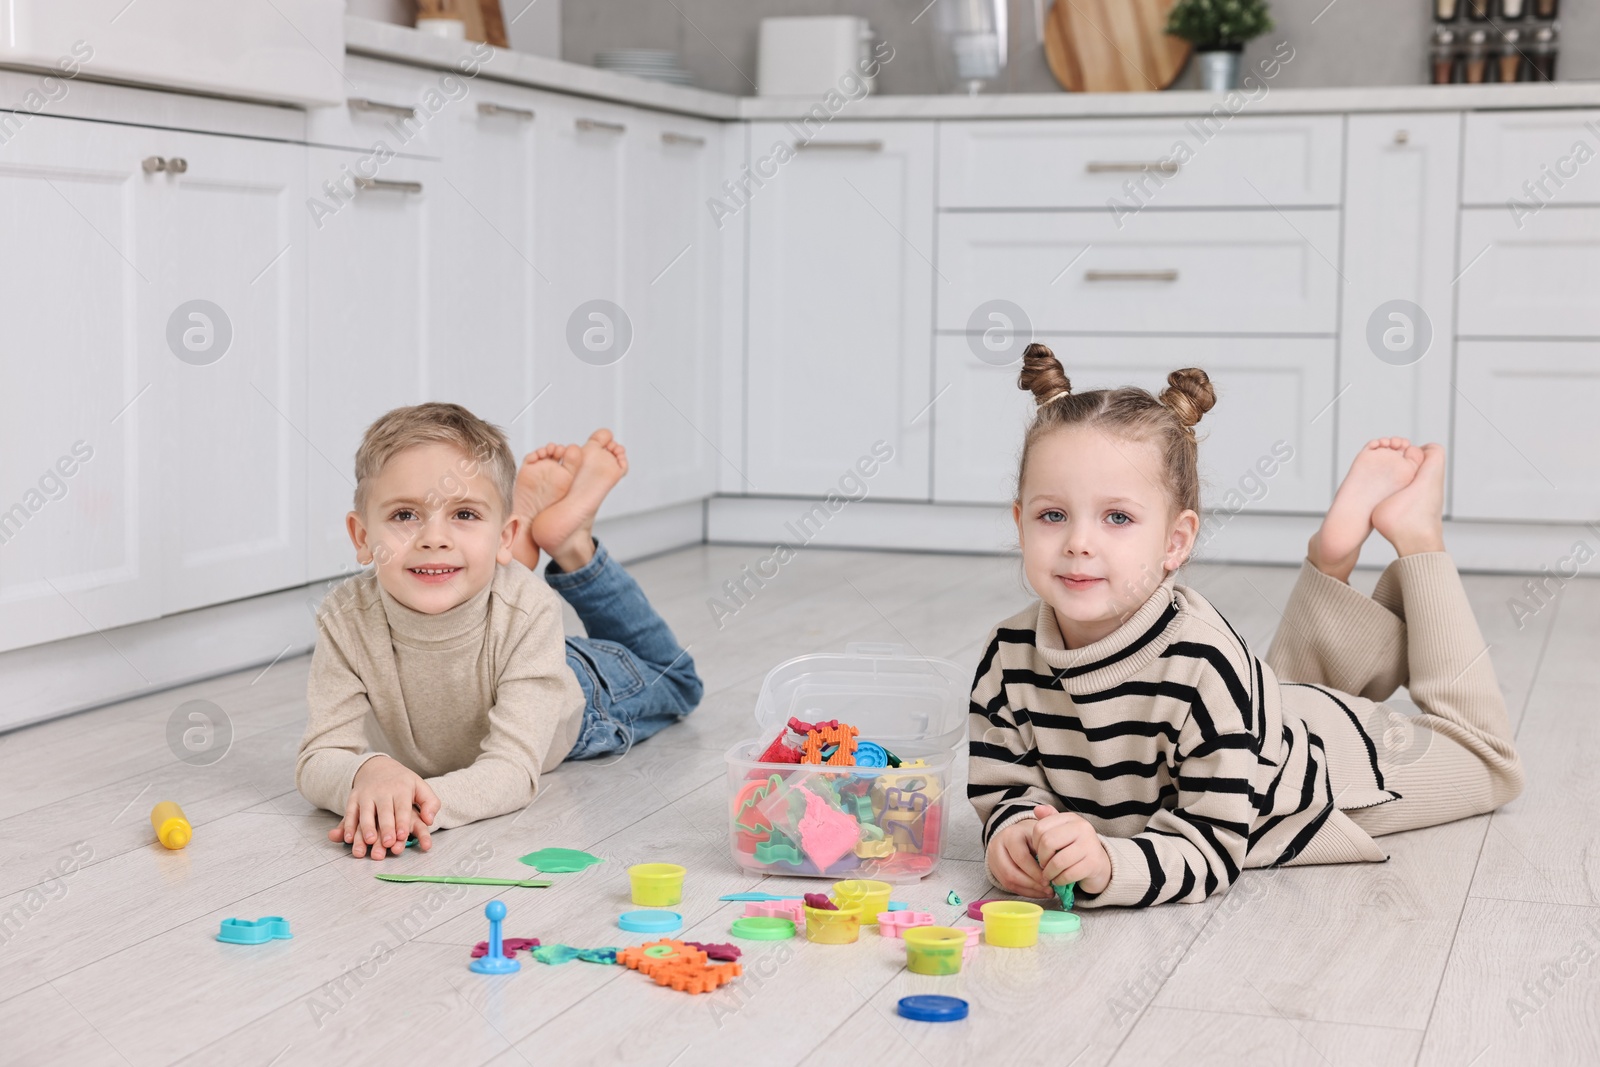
(172, 829)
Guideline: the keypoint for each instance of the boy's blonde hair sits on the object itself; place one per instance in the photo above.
(1131, 413)
(483, 447)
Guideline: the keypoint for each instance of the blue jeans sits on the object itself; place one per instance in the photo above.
(635, 676)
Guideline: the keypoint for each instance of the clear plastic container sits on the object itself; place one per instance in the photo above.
(883, 823)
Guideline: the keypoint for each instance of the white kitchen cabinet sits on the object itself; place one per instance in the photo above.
(673, 278)
(1266, 446)
(231, 234)
(369, 313)
(1399, 245)
(1233, 272)
(1526, 436)
(583, 347)
(1250, 162)
(1518, 160)
(485, 277)
(841, 279)
(80, 501)
(1530, 277)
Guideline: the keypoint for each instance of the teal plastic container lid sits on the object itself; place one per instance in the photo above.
(1059, 922)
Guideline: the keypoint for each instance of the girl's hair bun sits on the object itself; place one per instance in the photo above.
(1188, 395)
(1043, 375)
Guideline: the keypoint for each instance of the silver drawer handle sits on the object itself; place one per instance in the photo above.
(359, 104)
(681, 138)
(155, 165)
(1130, 275)
(382, 185)
(1160, 166)
(486, 108)
(596, 124)
(847, 146)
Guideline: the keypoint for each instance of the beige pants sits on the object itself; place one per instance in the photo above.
(1417, 629)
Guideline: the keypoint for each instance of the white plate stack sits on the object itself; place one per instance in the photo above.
(653, 63)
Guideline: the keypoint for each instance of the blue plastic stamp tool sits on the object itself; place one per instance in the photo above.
(495, 962)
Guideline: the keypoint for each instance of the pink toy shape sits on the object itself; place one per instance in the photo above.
(511, 946)
(896, 923)
(826, 834)
(793, 910)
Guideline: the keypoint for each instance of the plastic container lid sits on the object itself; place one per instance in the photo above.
(762, 928)
(1059, 922)
(650, 922)
(933, 1009)
(891, 697)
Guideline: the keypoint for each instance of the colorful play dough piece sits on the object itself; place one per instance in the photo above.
(953, 899)
(560, 860)
(511, 946)
(1064, 894)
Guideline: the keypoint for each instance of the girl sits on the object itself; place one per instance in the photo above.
(1125, 738)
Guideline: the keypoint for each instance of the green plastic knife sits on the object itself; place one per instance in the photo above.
(454, 880)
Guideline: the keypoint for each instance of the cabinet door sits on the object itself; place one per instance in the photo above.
(369, 268)
(1532, 276)
(79, 499)
(670, 374)
(1265, 447)
(228, 330)
(1526, 434)
(1399, 245)
(584, 343)
(841, 284)
(485, 273)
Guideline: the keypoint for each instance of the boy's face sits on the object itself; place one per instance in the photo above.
(434, 525)
(1093, 506)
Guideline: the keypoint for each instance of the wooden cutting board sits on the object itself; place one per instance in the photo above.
(1112, 46)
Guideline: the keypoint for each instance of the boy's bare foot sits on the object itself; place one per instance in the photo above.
(544, 477)
(563, 528)
(1413, 518)
(1381, 469)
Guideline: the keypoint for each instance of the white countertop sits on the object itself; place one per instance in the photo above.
(402, 44)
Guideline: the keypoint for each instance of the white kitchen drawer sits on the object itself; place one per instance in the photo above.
(1291, 160)
(1536, 280)
(1505, 150)
(1266, 446)
(391, 104)
(1163, 272)
(1525, 434)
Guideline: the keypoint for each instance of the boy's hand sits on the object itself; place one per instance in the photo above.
(1068, 849)
(388, 803)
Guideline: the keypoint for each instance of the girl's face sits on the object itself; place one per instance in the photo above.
(1092, 519)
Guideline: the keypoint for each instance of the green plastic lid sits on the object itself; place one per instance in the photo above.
(1059, 922)
(762, 928)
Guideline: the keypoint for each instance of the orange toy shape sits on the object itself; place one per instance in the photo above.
(823, 736)
(683, 968)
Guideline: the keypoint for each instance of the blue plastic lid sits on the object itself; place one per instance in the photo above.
(650, 922)
(932, 1009)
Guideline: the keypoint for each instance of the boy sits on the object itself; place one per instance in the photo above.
(441, 686)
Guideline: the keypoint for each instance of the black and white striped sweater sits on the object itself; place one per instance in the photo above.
(1176, 743)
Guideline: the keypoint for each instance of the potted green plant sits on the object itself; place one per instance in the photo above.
(1218, 29)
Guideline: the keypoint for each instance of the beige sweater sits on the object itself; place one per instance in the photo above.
(478, 700)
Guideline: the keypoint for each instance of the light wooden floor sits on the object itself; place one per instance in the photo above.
(1422, 960)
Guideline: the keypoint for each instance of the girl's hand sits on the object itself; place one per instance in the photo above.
(1068, 849)
(388, 803)
(1012, 863)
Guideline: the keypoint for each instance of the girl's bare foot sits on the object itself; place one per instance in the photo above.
(1381, 469)
(544, 477)
(1413, 518)
(564, 528)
